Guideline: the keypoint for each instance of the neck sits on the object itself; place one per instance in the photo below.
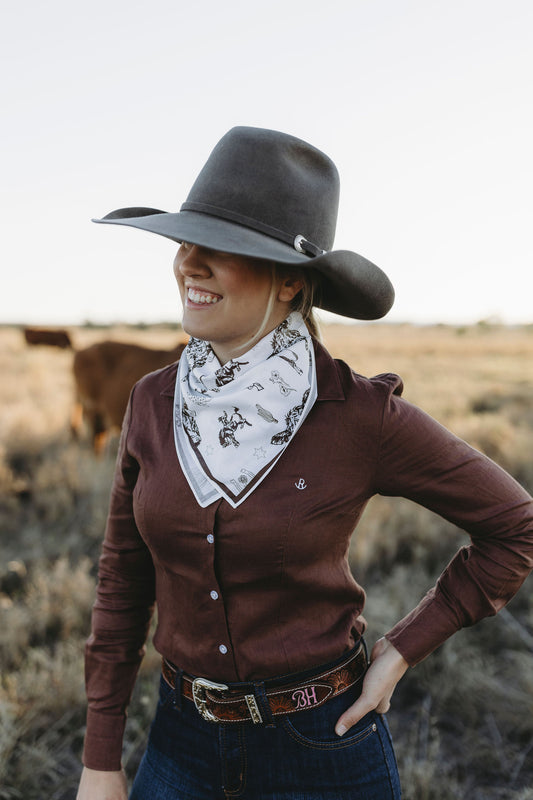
(225, 354)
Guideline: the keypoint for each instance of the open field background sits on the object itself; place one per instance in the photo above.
(462, 720)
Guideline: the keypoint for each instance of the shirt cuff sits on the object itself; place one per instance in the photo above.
(424, 629)
(103, 741)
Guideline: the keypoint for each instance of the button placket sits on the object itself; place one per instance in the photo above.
(223, 649)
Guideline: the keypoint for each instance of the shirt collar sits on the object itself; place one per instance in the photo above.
(328, 379)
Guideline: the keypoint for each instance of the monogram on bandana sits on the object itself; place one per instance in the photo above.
(233, 422)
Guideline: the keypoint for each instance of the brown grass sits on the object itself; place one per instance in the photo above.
(462, 720)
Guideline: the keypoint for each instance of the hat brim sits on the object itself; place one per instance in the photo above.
(351, 285)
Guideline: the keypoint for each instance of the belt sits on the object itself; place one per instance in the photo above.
(217, 702)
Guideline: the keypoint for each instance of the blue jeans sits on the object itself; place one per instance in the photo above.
(300, 757)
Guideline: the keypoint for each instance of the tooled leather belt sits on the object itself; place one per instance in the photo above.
(217, 702)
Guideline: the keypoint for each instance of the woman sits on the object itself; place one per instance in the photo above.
(241, 474)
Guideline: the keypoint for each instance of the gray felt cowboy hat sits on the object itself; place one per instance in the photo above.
(269, 195)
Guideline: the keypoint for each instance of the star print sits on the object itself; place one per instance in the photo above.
(260, 452)
(209, 450)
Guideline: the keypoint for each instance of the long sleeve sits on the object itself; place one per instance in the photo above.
(421, 460)
(121, 618)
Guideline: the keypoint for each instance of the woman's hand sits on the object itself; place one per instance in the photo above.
(96, 785)
(386, 668)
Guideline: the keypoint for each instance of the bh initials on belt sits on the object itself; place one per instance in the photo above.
(305, 698)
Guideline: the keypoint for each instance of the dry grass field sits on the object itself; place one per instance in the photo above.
(462, 720)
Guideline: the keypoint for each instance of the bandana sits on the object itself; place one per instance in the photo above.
(233, 422)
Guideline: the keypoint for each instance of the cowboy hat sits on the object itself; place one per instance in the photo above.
(269, 195)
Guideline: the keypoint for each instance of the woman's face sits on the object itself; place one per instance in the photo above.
(225, 298)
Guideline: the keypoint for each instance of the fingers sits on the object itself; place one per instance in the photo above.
(356, 712)
(383, 674)
(364, 705)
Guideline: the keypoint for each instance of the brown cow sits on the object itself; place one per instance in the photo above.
(104, 374)
(49, 336)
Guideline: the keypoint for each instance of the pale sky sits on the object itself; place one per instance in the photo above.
(425, 107)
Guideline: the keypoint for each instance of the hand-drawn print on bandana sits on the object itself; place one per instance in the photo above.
(284, 387)
(291, 420)
(189, 423)
(216, 414)
(230, 424)
(198, 353)
(205, 384)
(292, 359)
(267, 415)
(226, 374)
(197, 399)
(244, 478)
(285, 337)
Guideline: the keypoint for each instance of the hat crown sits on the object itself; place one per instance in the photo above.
(268, 195)
(272, 179)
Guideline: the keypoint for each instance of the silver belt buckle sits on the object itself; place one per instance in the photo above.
(199, 688)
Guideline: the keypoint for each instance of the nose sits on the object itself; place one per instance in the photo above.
(190, 262)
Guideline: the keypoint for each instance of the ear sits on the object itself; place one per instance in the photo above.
(289, 288)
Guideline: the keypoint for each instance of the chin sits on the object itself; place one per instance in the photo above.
(198, 331)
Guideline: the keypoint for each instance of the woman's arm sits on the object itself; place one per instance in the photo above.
(422, 461)
(121, 616)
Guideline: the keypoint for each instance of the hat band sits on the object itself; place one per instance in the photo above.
(299, 242)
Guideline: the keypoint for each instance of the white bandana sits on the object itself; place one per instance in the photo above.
(233, 422)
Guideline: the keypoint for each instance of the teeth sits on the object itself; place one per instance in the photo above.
(202, 297)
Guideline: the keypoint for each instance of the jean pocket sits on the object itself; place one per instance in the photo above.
(316, 728)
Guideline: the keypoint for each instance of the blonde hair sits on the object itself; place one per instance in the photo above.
(306, 299)
(302, 302)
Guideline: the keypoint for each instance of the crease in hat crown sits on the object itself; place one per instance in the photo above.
(288, 188)
(270, 195)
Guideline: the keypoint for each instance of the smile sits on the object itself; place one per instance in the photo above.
(197, 296)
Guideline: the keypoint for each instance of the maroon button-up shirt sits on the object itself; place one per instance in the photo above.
(265, 589)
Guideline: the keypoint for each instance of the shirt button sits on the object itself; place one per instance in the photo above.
(214, 595)
(210, 538)
(223, 649)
